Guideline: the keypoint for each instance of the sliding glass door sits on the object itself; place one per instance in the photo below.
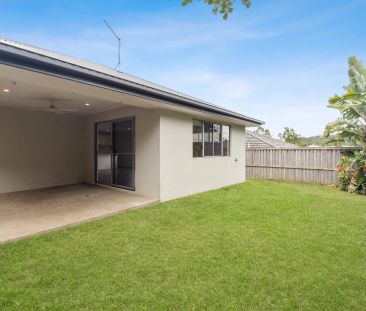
(115, 153)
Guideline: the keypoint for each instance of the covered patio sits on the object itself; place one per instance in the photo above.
(32, 212)
(60, 163)
(51, 175)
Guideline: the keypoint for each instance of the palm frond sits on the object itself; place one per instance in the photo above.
(352, 107)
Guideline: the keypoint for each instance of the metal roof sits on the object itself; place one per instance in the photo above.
(29, 57)
(258, 141)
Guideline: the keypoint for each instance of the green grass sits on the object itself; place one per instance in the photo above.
(256, 246)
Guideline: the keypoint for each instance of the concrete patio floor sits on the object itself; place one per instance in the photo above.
(32, 212)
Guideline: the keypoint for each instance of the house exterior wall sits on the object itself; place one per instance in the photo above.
(181, 174)
(40, 149)
(147, 139)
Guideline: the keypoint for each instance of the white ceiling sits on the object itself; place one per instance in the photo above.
(27, 95)
(31, 90)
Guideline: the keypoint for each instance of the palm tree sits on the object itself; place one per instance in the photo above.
(351, 126)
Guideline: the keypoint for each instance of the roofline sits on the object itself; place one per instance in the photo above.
(272, 141)
(261, 139)
(28, 60)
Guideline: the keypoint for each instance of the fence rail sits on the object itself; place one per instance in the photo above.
(303, 165)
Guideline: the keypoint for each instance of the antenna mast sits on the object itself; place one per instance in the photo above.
(119, 44)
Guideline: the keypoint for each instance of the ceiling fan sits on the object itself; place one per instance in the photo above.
(54, 108)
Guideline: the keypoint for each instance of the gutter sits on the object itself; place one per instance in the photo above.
(23, 59)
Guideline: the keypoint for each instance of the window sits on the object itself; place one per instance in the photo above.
(225, 141)
(208, 143)
(217, 140)
(210, 139)
(197, 138)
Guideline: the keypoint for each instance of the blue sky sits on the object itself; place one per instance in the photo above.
(279, 61)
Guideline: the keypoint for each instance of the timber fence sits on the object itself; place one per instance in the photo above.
(309, 165)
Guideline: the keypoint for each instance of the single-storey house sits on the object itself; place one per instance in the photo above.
(65, 121)
(255, 140)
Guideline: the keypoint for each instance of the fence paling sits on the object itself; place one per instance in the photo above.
(305, 165)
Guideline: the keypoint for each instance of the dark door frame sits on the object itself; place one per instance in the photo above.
(133, 118)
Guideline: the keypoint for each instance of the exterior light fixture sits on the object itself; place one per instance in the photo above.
(87, 104)
(6, 90)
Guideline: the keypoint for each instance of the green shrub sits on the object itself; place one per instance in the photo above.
(352, 173)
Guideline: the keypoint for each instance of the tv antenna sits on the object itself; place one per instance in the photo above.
(119, 44)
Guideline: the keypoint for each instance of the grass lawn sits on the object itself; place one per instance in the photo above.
(256, 246)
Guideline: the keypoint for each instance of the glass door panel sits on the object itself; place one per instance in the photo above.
(104, 172)
(123, 136)
(104, 153)
(123, 170)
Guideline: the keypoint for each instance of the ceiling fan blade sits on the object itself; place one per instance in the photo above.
(53, 109)
(45, 109)
(37, 108)
(68, 109)
(48, 99)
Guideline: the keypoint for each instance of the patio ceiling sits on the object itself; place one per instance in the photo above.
(30, 90)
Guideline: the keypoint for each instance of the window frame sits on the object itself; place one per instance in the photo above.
(210, 138)
(229, 141)
(200, 138)
(202, 121)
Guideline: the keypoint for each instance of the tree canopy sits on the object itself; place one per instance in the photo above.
(290, 136)
(223, 7)
(351, 126)
(261, 130)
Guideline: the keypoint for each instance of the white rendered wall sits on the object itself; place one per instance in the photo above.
(40, 149)
(181, 174)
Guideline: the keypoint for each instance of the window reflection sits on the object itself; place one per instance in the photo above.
(217, 140)
(197, 138)
(208, 141)
(226, 140)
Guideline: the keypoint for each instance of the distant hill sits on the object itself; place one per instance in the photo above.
(315, 140)
(320, 141)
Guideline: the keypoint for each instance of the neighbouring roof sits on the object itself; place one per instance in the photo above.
(259, 141)
(29, 57)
